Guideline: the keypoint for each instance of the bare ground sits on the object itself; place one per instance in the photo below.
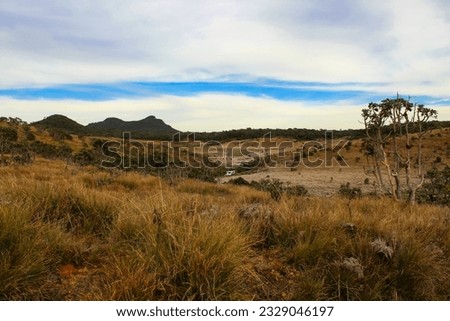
(318, 181)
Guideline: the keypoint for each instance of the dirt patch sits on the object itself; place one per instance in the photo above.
(318, 181)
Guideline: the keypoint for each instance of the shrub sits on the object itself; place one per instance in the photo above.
(58, 135)
(238, 181)
(28, 133)
(8, 134)
(437, 189)
(30, 136)
(84, 157)
(273, 186)
(21, 156)
(297, 190)
(350, 192)
(51, 151)
(348, 145)
(204, 173)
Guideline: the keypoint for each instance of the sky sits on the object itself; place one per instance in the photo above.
(216, 65)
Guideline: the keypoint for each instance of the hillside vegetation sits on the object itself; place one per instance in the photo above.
(71, 230)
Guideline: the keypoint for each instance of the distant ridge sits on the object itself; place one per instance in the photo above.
(154, 128)
(147, 127)
(150, 124)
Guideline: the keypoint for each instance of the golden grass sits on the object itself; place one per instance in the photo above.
(134, 237)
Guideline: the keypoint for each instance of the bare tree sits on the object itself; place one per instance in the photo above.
(393, 122)
(375, 120)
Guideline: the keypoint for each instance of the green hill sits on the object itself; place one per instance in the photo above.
(62, 123)
(150, 125)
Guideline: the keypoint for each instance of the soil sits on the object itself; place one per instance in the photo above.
(318, 181)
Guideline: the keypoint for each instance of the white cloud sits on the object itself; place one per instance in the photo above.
(208, 112)
(403, 43)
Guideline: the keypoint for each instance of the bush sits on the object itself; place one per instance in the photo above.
(22, 156)
(204, 174)
(8, 134)
(348, 145)
(350, 192)
(273, 186)
(297, 190)
(30, 136)
(28, 133)
(84, 157)
(58, 135)
(50, 151)
(238, 181)
(437, 189)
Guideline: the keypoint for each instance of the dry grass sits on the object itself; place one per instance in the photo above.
(67, 233)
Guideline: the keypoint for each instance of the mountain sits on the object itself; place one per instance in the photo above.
(145, 128)
(61, 122)
(150, 125)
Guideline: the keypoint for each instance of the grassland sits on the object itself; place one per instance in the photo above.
(80, 233)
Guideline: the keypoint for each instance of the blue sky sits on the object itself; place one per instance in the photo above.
(274, 89)
(213, 65)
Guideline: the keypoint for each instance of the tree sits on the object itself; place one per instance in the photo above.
(390, 127)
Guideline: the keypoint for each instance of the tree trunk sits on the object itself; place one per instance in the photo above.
(380, 177)
(398, 188)
(389, 175)
(412, 196)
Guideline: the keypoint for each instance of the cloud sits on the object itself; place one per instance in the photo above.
(209, 65)
(203, 112)
(402, 43)
(305, 92)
